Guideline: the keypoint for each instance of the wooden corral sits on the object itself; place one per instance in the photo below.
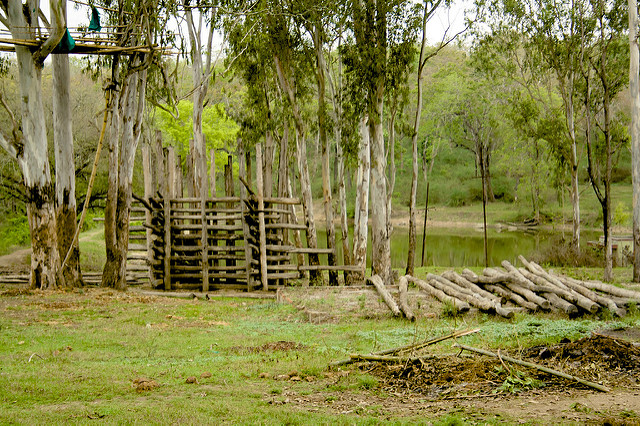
(207, 243)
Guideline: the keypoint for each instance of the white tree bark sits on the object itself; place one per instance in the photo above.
(201, 74)
(31, 150)
(380, 227)
(131, 107)
(361, 217)
(64, 164)
(634, 131)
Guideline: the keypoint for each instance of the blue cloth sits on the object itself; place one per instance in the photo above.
(94, 25)
(67, 43)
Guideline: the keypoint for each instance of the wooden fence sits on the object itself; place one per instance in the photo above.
(206, 243)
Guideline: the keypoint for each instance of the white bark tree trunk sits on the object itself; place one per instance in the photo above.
(361, 217)
(31, 150)
(634, 89)
(130, 113)
(64, 165)
(201, 74)
(380, 230)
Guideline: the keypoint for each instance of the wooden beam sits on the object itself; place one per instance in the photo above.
(263, 236)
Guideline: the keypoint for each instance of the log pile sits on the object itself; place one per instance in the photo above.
(504, 290)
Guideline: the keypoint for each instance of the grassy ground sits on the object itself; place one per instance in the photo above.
(74, 357)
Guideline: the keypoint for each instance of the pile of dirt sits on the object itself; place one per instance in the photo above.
(596, 358)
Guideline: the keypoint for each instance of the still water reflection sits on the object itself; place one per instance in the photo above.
(457, 247)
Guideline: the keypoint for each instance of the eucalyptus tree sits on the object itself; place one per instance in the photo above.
(473, 116)
(634, 130)
(268, 54)
(541, 41)
(201, 27)
(139, 23)
(27, 143)
(316, 18)
(64, 161)
(429, 8)
(290, 70)
(378, 29)
(604, 52)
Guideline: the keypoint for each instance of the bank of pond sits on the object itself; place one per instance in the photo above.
(463, 247)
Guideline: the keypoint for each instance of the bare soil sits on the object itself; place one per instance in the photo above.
(475, 387)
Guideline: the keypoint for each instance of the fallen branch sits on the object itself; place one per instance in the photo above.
(388, 358)
(536, 366)
(413, 346)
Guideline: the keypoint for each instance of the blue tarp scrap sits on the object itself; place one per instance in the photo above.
(94, 25)
(67, 43)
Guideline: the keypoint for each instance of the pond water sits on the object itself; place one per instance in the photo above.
(457, 247)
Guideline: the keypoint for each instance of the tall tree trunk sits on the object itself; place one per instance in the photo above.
(64, 166)
(131, 109)
(380, 238)
(411, 255)
(30, 150)
(575, 187)
(200, 72)
(112, 260)
(269, 150)
(303, 168)
(342, 199)
(326, 172)
(361, 218)
(391, 176)
(634, 92)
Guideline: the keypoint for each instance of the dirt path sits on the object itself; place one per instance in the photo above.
(19, 260)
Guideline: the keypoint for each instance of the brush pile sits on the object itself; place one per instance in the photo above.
(504, 290)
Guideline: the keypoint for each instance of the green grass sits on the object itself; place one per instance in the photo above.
(92, 255)
(68, 357)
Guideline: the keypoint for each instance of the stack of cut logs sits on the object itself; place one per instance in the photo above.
(531, 288)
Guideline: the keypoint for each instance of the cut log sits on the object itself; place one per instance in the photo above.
(573, 286)
(455, 291)
(569, 295)
(440, 295)
(515, 298)
(613, 290)
(536, 366)
(463, 282)
(529, 295)
(404, 305)
(384, 293)
(559, 303)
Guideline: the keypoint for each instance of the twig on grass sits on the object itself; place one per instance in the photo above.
(34, 354)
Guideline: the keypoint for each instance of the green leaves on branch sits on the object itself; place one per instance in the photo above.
(219, 130)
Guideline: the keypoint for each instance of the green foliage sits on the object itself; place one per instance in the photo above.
(621, 214)
(517, 381)
(14, 233)
(219, 130)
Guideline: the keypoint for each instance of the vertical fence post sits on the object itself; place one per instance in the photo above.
(204, 190)
(243, 210)
(263, 234)
(148, 193)
(169, 169)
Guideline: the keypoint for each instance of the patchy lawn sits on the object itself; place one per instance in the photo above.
(95, 354)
